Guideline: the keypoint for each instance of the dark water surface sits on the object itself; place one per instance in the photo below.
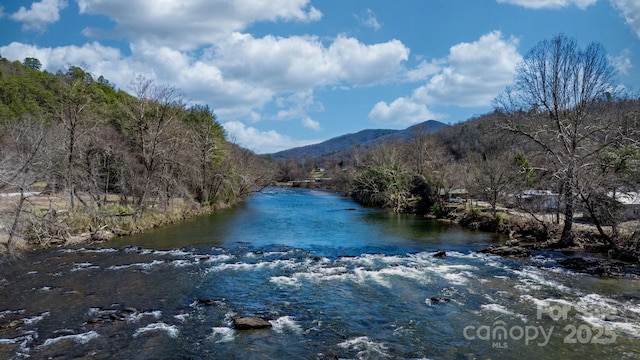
(334, 279)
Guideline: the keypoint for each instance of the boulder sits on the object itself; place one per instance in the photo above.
(507, 251)
(440, 254)
(250, 322)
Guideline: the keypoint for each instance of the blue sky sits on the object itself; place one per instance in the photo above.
(285, 73)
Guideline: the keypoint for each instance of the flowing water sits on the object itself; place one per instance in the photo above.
(334, 279)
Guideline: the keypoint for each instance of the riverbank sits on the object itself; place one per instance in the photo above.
(527, 233)
(46, 220)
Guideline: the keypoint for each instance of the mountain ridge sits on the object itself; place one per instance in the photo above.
(366, 137)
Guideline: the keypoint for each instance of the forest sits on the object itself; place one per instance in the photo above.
(79, 157)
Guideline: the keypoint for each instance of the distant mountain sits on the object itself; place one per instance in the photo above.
(363, 138)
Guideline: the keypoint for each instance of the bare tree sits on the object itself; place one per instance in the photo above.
(419, 147)
(22, 144)
(151, 117)
(493, 175)
(73, 110)
(383, 178)
(208, 143)
(555, 103)
(244, 172)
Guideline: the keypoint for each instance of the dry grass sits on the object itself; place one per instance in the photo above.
(46, 219)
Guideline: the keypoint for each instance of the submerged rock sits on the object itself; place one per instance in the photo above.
(507, 251)
(596, 267)
(436, 300)
(210, 302)
(250, 322)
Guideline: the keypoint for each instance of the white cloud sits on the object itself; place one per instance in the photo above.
(369, 19)
(472, 75)
(622, 62)
(630, 10)
(296, 105)
(188, 24)
(40, 14)
(423, 71)
(243, 73)
(363, 65)
(297, 62)
(103, 60)
(261, 142)
(550, 4)
(401, 112)
(284, 64)
(311, 124)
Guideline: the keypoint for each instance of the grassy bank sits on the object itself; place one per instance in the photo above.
(46, 221)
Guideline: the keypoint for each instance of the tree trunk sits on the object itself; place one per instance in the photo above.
(70, 156)
(566, 239)
(16, 221)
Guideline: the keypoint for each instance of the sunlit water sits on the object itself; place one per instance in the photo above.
(334, 279)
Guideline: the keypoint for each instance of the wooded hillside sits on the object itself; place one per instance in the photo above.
(108, 158)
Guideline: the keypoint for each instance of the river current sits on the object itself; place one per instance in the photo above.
(335, 280)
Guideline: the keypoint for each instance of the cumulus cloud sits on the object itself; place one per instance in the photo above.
(401, 112)
(39, 15)
(475, 72)
(262, 142)
(550, 4)
(361, 65)
(423, 71)
(296, 62)
(190, 23)
(244, 72)
(471, 75)
(630, 10)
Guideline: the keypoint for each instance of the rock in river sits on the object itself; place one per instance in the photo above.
(250, 322)
(508, 251)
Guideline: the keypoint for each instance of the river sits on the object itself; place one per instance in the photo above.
(334, 279)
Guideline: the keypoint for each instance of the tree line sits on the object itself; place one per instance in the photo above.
(116, 158)
(564, 140)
